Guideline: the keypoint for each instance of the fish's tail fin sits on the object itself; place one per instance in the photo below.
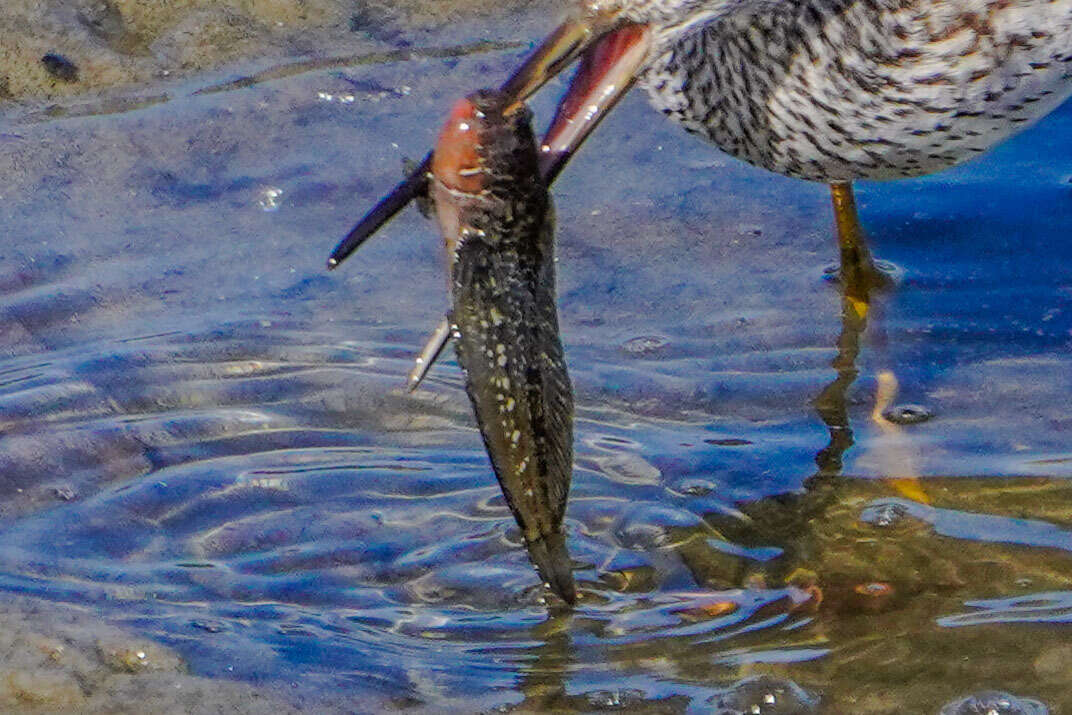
(548, 553)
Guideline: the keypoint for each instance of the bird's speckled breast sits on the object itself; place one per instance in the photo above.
(833, 90)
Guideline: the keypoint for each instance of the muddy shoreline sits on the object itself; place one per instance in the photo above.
(63, 48)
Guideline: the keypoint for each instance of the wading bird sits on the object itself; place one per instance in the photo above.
(822, 90)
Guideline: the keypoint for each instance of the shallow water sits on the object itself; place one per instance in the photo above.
(206, 440)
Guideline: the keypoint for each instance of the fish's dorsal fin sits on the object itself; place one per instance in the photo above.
(429, 354)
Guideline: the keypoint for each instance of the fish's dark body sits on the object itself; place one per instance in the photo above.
(496, 215)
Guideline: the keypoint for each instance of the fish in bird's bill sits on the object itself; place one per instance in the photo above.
(496, 218)
(611, 49)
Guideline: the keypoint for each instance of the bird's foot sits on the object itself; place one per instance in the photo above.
(864, 277)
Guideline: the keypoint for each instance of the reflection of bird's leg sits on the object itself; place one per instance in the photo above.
(859, 275)
(858, 278)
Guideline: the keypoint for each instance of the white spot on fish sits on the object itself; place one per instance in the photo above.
(463, 126)
(515, 436)
(501, 361)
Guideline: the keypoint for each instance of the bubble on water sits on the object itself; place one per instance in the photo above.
(907, 414)
(994, 702)
(270, 199)
(765, 695)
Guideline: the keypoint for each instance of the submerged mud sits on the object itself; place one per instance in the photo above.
(116, 43)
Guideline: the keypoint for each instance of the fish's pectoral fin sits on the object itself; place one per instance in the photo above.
(429, 354)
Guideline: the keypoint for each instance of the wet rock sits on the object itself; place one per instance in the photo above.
(102, 18)
(884, 515)
(765, 695)
(60, 67)
(993, 702)
(697, 487)
(645, 345)
(41, 688)
(58, 660)
(137, 656)
(125, 42)
(615, 699)
(202, 38)
(907, 414)
(872, 597)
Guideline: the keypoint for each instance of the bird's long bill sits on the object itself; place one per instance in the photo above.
(612, 52)
(606, 71)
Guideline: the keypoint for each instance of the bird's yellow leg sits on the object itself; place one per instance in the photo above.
(860, 278)
(859, 275)
(832, 403)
